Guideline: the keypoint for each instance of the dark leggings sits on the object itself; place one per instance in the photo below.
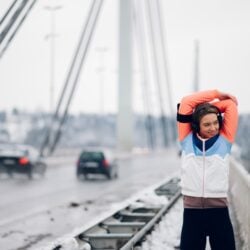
(212, 222)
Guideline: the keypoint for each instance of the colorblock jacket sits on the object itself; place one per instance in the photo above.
(205, 163)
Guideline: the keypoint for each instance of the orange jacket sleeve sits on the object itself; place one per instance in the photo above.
(228, 107)
(230, 118)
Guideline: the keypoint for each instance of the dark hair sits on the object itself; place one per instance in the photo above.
(200, 111)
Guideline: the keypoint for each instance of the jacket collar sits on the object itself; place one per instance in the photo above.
(208, 142)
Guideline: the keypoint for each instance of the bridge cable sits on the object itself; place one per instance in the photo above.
(58, 134)
(12, 20)
(164, 56)
(156, 69)
(67, 82)
(7, 29)
(70, 73)
(140, 41)
(8, 11)
(163, 41)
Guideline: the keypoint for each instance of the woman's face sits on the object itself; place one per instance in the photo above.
(209, 126)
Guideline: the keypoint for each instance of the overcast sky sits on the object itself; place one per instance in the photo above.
(222, 28)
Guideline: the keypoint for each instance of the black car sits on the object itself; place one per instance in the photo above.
(94, 161)
(20, 158)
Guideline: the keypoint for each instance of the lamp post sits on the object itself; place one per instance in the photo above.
(51, 36)
(100, 70)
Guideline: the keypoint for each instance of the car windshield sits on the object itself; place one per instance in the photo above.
(12, 151)
(92, 156)
(18, 150)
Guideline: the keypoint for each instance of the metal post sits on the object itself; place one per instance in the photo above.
(100, 70)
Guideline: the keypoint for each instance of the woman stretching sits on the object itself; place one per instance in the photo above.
(207, 125)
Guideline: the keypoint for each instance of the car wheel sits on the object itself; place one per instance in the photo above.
(112, 174)
(10, 174)
(30, 175)
(41, 169)
(116, 172)
(109, 176)
(78, 174)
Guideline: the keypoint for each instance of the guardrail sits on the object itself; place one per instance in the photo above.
(126, 227)
(240, 198)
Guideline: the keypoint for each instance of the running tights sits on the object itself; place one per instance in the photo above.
(212, 222)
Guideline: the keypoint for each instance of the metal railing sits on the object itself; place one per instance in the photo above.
(240, 198)
(125, 228)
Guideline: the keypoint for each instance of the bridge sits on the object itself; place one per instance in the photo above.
(155, 77)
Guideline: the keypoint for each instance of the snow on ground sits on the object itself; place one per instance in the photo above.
(166, 234)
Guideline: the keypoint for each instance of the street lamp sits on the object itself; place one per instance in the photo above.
(51, 36)
(100, 70)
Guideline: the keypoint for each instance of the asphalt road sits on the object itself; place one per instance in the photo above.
(35, 212)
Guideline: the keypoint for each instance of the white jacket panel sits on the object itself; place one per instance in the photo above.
(205, 173)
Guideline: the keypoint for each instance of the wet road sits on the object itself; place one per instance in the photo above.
(34, 213)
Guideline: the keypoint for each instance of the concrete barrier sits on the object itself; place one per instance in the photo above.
(239, 180)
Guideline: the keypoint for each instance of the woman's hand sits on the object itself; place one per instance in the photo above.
(225, 96)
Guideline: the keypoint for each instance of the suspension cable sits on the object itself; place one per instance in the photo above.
(157, 73)
(140, 40)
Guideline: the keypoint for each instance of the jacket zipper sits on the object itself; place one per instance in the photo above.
(203, 181)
